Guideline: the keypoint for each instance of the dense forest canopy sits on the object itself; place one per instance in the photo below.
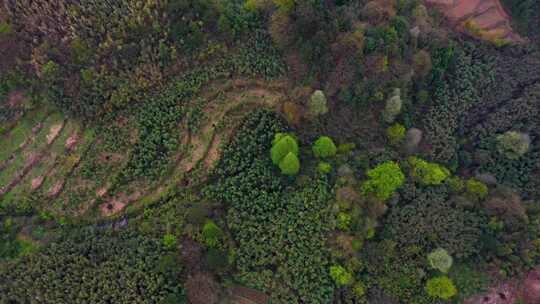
(270, 151)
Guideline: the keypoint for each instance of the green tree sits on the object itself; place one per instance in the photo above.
(395, 133)
(344, 221)
(440, 259)
(290, 165)
(340, 275)
(324, 147)
(212, 234)
(392, 107)
(317, 104)
(476, 189)
(428, 173)
(169, 240)
(281, 146)
(513, 144)
(324, 167)
(383, 180)
(441, 287)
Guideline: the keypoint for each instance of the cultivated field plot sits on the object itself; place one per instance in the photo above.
(57, 165)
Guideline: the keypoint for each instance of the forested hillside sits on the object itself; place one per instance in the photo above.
(270, 151)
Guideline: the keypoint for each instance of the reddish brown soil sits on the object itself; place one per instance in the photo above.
(487, 15)
(243, 295)
(37, 182)
(71, 141)
(526, 289)
(22, 146)
(15, 98)
(118, 203)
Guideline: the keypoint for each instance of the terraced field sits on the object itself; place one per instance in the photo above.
(484, 18)
(65, 169)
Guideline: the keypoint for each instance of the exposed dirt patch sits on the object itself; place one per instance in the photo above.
(55, 189)
(22, 146)
(214, 152)
(111, 157)
(37, 182)
(33, 159)
(485, 19)
(244, 295)
(54, 131)
(71, 141)
(118, 203)
(15, 99)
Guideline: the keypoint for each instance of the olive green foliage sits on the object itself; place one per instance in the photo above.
(392, 107)
(5, 28)
(324, 147)
(395, 133)
(282, 145)
(383, 180)
(428, 173)
(324, 167)
(169, 240)
(513, 144)
(79, 260)
(340, 275)
(317, 104)
(212, 234)
(476, 189)
(359, 289)
(455, 184)
(440, 259)
(441, 287)
(344, 221)
(346, 148)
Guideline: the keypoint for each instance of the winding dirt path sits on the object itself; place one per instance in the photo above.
(202, 149)
(486, 16)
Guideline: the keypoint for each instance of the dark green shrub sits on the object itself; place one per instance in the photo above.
(86, 257)
(429, 221)
(216, 260)
(468, 281)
